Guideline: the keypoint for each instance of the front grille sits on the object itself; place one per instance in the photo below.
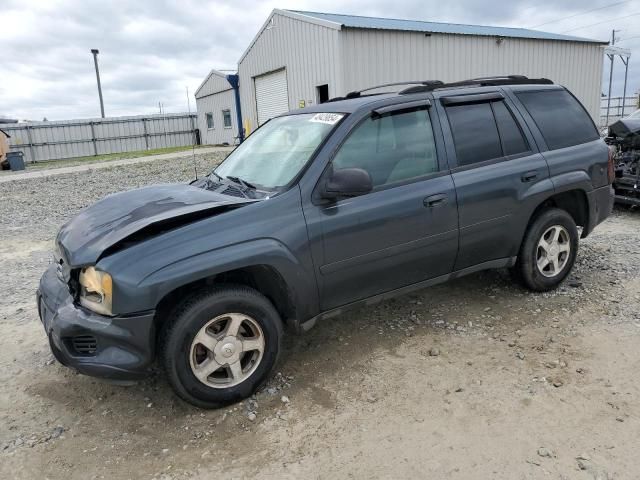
(84, 344)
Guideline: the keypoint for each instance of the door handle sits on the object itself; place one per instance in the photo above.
(527, 177)
(435, 200)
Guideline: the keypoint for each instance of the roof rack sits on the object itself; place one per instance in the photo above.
(358, 93)
(480, 82)
(420, 86)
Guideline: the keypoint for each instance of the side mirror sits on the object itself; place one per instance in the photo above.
(347, 182)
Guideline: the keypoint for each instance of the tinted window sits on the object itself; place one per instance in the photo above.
(391, 148)
(561, 119)
(513, 140)
(474, 133)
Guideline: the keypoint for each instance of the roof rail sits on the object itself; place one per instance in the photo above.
(480, 82)
(358, 93)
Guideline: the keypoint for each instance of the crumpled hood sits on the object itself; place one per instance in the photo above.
(85, 237)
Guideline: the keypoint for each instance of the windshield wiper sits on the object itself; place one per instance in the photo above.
(242, 182)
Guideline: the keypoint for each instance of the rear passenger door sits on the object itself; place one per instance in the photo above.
(498, 173)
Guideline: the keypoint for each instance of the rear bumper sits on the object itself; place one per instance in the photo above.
(600, 207)
(117, 348)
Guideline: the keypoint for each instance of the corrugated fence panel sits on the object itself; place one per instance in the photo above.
(81, 138)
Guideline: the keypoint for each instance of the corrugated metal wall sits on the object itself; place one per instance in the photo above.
(214, 96)
(352, 59)
(215, 103)
(78, 138)
(310, 52)
(373, 57)
(215, 82)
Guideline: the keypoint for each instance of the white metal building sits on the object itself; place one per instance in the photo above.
(301, 58)
(216, 105)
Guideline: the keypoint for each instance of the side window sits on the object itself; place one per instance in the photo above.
(474, 133)
(513, 141)
(562, 120)
(209, 120)
(226, 118)
(391, 148)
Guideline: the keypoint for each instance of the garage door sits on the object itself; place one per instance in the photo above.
(271, 95)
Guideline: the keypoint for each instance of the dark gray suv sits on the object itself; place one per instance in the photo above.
(325, 208)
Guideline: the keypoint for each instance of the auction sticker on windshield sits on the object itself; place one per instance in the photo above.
(328, 118)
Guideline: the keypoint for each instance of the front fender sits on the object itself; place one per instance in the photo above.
(265, 251)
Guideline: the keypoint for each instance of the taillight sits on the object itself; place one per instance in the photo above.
(611, 172)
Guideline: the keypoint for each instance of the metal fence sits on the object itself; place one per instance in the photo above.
(631, 104)
(82, 138)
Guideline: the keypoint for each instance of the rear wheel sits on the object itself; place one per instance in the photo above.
(548, 251)
(221, 345)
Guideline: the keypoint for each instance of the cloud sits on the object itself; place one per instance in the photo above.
(150, 50)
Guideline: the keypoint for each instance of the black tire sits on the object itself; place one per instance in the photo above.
(526, 268)
(187, 320)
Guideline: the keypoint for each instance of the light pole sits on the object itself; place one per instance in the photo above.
(95, 62)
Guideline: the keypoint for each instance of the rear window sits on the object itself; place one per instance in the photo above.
(474, 132)
(513, 141)
(562, 120)
(485, 131)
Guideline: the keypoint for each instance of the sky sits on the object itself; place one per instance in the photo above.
(153, 50)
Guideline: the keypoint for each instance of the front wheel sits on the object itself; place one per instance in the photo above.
(221, 345)
(548, 251)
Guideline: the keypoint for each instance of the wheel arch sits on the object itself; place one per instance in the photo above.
(574, 202)
(266, 266)
(263, 278)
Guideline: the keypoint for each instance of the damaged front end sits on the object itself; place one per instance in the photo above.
(624, 138)
(126, 218)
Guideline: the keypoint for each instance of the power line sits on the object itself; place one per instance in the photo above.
(628, 38)
(604, 21)
(581, 13)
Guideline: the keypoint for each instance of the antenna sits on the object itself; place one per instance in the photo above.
(193, 138)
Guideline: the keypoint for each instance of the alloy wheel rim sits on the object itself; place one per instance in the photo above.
(227, 350)
(553, 251)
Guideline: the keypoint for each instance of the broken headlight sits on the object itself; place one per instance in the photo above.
(96, 290)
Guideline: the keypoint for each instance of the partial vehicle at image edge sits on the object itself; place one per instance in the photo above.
(624, 138)
(323, 209)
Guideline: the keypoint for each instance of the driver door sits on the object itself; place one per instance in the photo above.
(404, 231)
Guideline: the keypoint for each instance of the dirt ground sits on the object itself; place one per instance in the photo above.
(469, 380)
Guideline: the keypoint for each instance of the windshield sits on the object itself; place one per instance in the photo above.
(275, 153)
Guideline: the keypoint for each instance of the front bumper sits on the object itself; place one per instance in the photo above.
(626, 190)
(116, 348)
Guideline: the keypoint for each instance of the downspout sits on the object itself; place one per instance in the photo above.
(235, 84)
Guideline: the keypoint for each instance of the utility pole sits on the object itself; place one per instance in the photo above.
(611, 57)
(624, 89)
(95, 62)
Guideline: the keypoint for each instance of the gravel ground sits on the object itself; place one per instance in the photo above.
(473, 379)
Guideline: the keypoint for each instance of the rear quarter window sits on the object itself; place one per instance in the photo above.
(561, 119)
